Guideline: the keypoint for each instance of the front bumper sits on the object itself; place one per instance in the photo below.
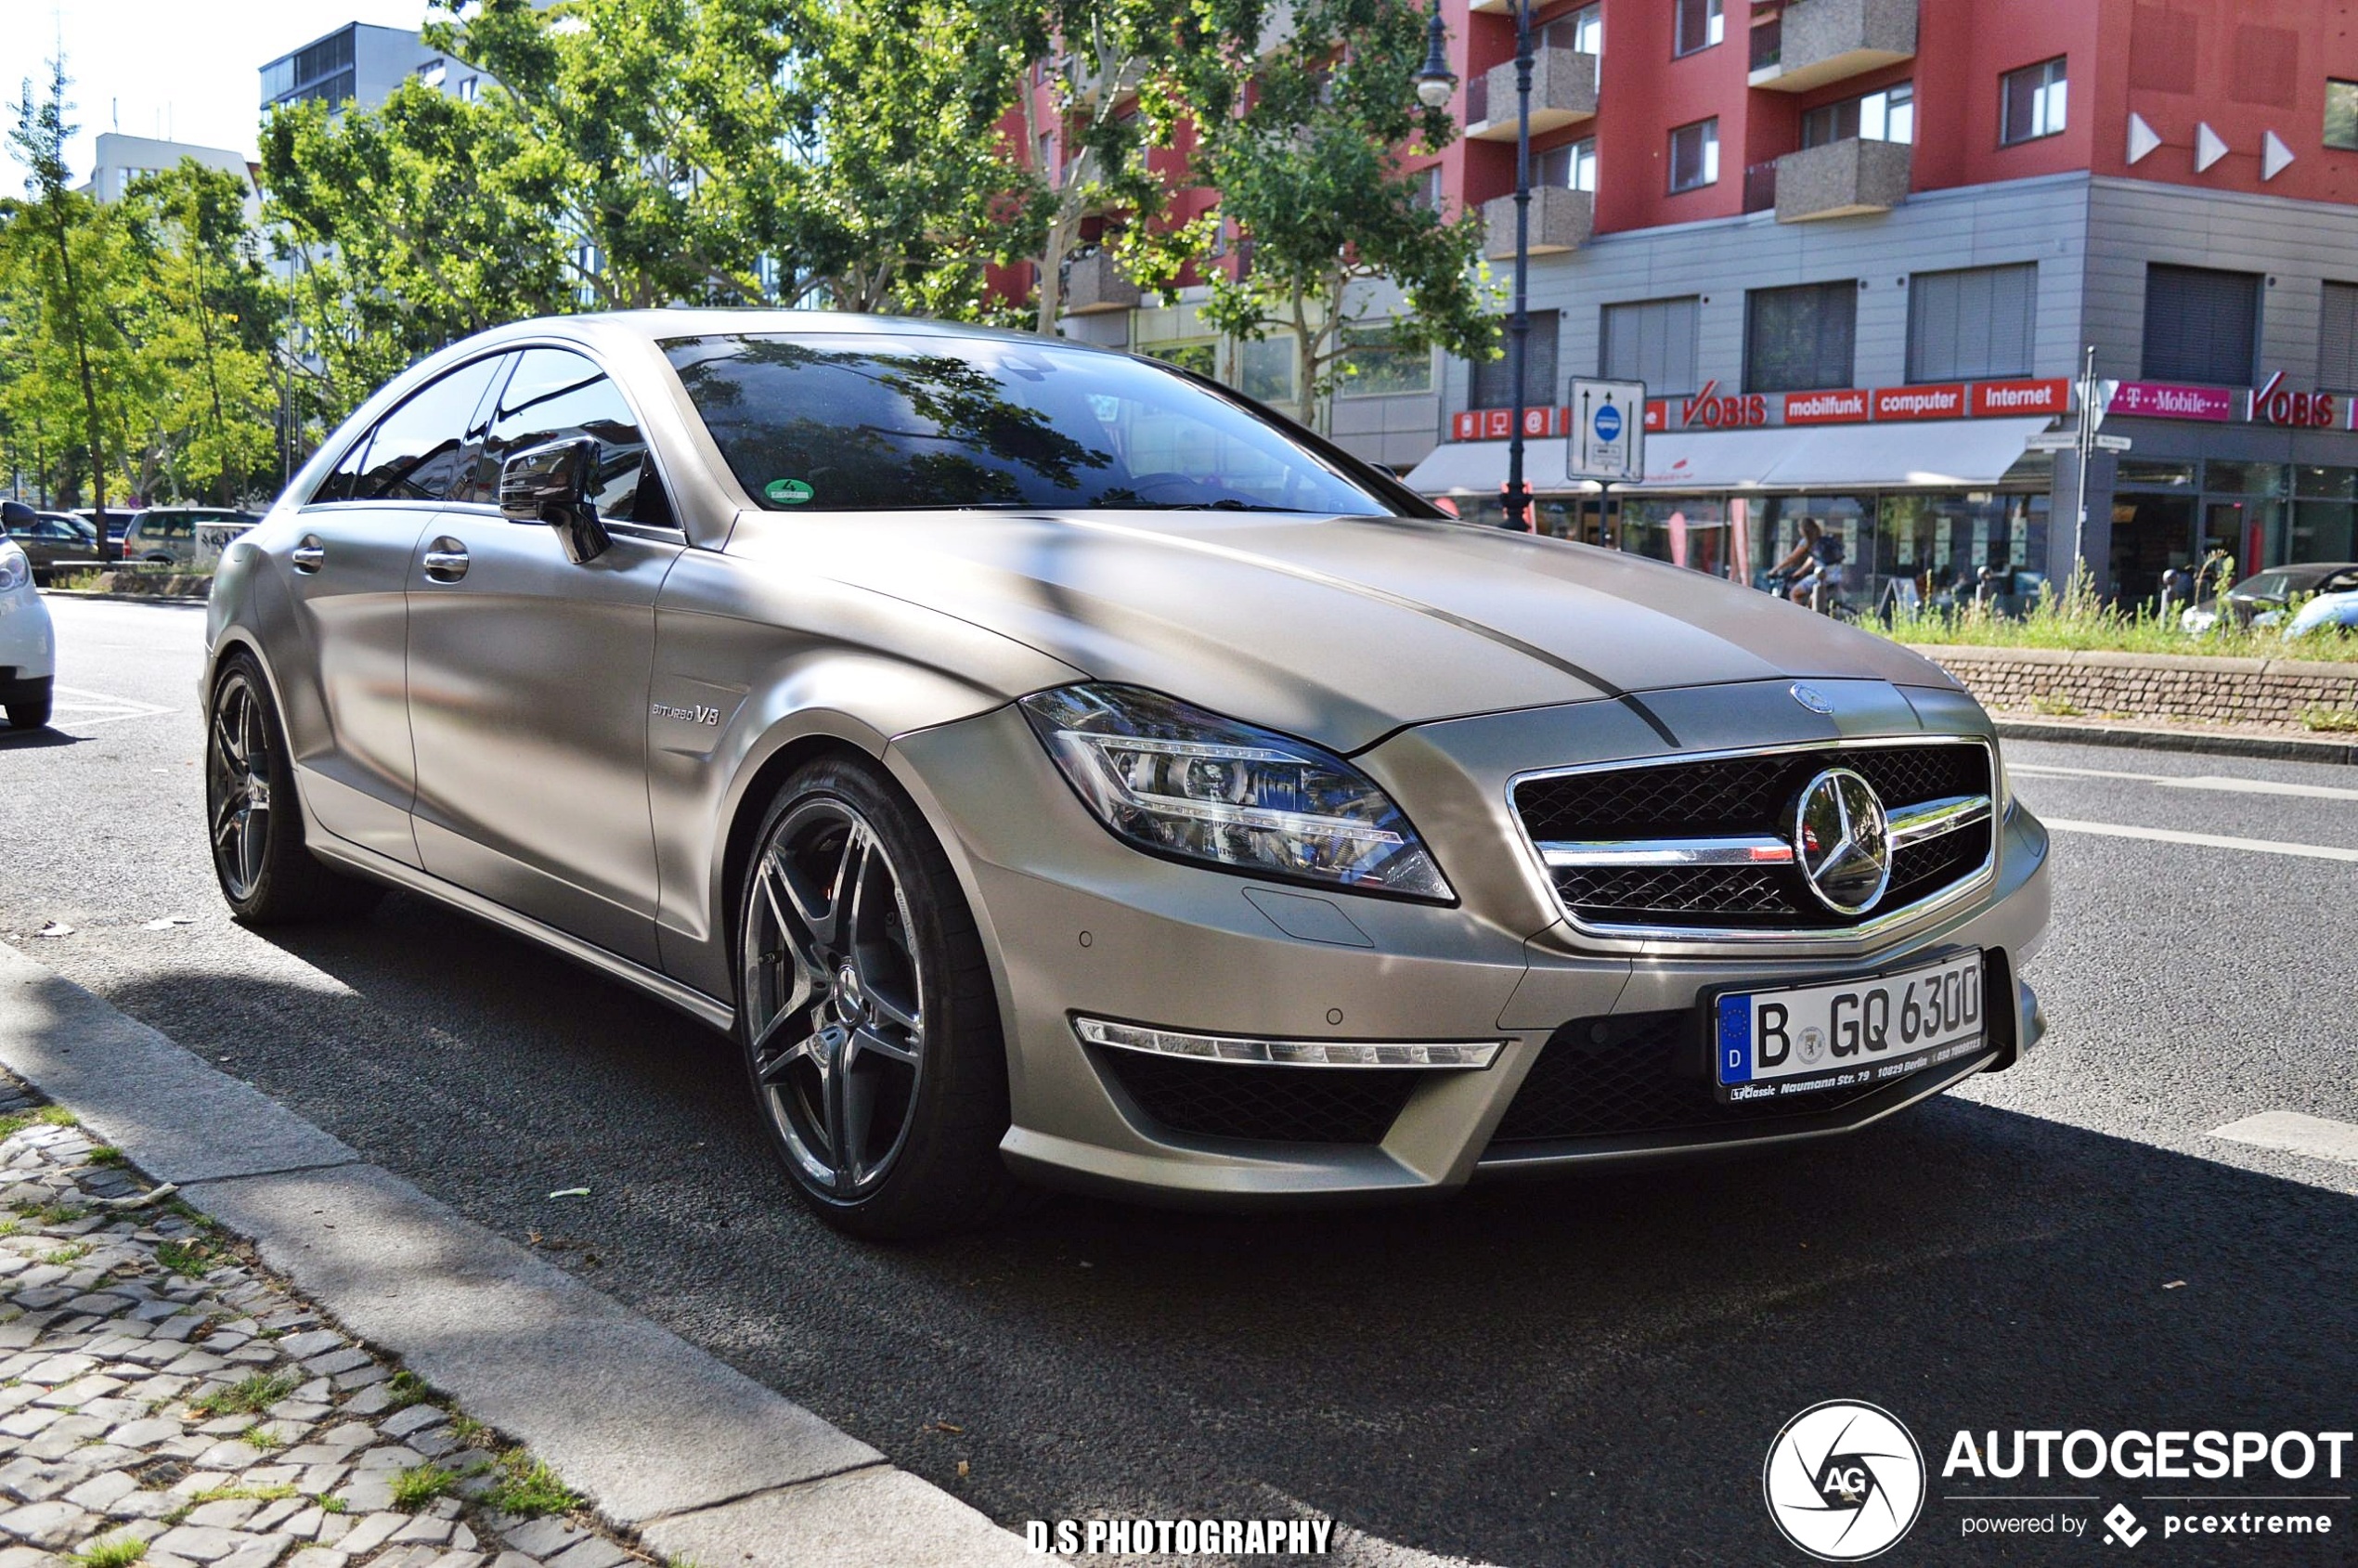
(1077, 925)
(27, 642)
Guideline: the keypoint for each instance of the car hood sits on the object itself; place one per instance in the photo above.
(1338, 628)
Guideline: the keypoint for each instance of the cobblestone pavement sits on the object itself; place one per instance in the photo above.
(164, 1402)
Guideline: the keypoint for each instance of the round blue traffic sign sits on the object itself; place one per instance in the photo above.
(1608, 422)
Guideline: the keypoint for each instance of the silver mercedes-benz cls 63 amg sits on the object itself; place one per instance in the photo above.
(1054, 767)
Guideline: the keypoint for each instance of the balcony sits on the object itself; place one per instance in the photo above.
(1092, 284)
(1563, 92)
(1561, 220)
(1842, 179)
(1821, 41)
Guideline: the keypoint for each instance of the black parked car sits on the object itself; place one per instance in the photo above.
(47, 538)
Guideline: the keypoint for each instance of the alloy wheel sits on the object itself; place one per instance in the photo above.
(237, 785)
(833, 983)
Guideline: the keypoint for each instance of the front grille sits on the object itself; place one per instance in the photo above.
(1301, 1105)
(1641, 1072)
(1736, 796)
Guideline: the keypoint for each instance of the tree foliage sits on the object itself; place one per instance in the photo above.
(1316, 204)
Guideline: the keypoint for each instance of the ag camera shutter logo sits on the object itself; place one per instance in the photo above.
(1845, 1481)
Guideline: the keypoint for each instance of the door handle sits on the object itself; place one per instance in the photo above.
(309, 555)
(445, 559)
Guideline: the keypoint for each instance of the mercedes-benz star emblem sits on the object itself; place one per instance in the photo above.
(1810, 698)
(1843, 840)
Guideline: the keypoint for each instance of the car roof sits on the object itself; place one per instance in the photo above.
(688, 321)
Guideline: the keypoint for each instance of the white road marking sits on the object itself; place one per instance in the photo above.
(2319, 1137)
(2201, 780)
(99, 707)
(2206, 840)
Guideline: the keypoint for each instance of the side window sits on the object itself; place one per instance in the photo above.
(414, 454)
(556, 395)
(343, 481)
(478, 481)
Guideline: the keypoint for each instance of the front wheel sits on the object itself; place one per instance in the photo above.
(868, 1020)
(30, 712)
(265, 872)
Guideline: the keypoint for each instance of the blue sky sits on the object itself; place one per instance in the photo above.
(187, 68)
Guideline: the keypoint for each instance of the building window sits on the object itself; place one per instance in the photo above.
(2341, 115)
(1582, 32)
(2338, 338)
(2031, 102)
(2201, 325)
(432, 73)
(469, 88)
(1654, 341)
(1971, 325)
(1375, 365)
(1889, 115)
(1800, 339)
(1265, 369)
(1427, 196)
(1695, 156)
(1492, 383)
(1700, 25)
(1573, 165)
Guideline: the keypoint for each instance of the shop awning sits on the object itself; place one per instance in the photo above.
(1944, 454)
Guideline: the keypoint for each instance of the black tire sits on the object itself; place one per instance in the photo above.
(32, 713)
(944, 1172)
(265, 872)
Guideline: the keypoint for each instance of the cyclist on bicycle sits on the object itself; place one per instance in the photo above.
(1822, 551)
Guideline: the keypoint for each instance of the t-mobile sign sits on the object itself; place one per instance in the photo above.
(2161, 401)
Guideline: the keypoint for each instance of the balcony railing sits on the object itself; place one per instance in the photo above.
(1563, 92)
(1562, 220)
(1843, 179)
(1760, 186)
(1768, 42)
(1093, 283)
(1821, 40)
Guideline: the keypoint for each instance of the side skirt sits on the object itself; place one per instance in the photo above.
(663, 988)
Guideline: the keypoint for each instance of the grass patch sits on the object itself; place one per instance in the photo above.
(51, 1214)
(106, 1153)
(67, 1254)
(2077, 621)
(241, 1493)
(2330, 721)
(2055, 707)
(405, 1389)
(39, 1116)
(193, 1260)
(467, 1429)
(334, 1505)
(117, 1551)
(528, 1488)
(249, 1396)
(419, 1485)
(261, 1437)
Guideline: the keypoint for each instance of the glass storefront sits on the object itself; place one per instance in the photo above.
(1901, 550)
(2253, 514)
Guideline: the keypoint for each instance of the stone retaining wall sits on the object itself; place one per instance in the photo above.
(2217, 691)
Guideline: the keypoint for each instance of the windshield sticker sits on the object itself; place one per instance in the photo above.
(788, 492)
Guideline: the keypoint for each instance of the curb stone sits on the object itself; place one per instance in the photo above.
(664, 1440)
(2279, 748)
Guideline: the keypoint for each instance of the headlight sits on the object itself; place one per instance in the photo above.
(1175, 780)
(15, 570)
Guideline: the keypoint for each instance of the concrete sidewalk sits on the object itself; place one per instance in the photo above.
(693, 1458)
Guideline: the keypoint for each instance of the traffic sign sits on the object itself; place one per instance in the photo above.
(2054, 441)
(2114, 443)
(1607, 436)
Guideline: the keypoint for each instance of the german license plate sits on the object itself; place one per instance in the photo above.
(1846, 1034)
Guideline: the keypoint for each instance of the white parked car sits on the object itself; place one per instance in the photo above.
(28, 645)
(2328, 612)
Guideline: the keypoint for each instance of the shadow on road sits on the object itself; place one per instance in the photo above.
(1587, 1370)
(38, 740)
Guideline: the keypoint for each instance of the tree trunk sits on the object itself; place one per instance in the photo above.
(98, 436)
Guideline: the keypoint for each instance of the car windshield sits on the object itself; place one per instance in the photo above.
(2276, 586)
(871, 423)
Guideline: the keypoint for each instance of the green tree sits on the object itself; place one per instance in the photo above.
(55, 246)
(1308, 164)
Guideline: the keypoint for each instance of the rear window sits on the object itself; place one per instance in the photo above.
(873, 422)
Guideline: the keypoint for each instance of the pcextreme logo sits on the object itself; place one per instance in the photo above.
(1845, 1481)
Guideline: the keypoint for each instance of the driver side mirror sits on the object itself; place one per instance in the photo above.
(550, 484)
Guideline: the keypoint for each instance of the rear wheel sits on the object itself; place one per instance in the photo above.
(868, 1020)
(255, 822)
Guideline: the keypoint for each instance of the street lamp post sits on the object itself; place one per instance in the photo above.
(1435, 83)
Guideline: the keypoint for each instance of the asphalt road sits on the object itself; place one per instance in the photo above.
(1585, 1372)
